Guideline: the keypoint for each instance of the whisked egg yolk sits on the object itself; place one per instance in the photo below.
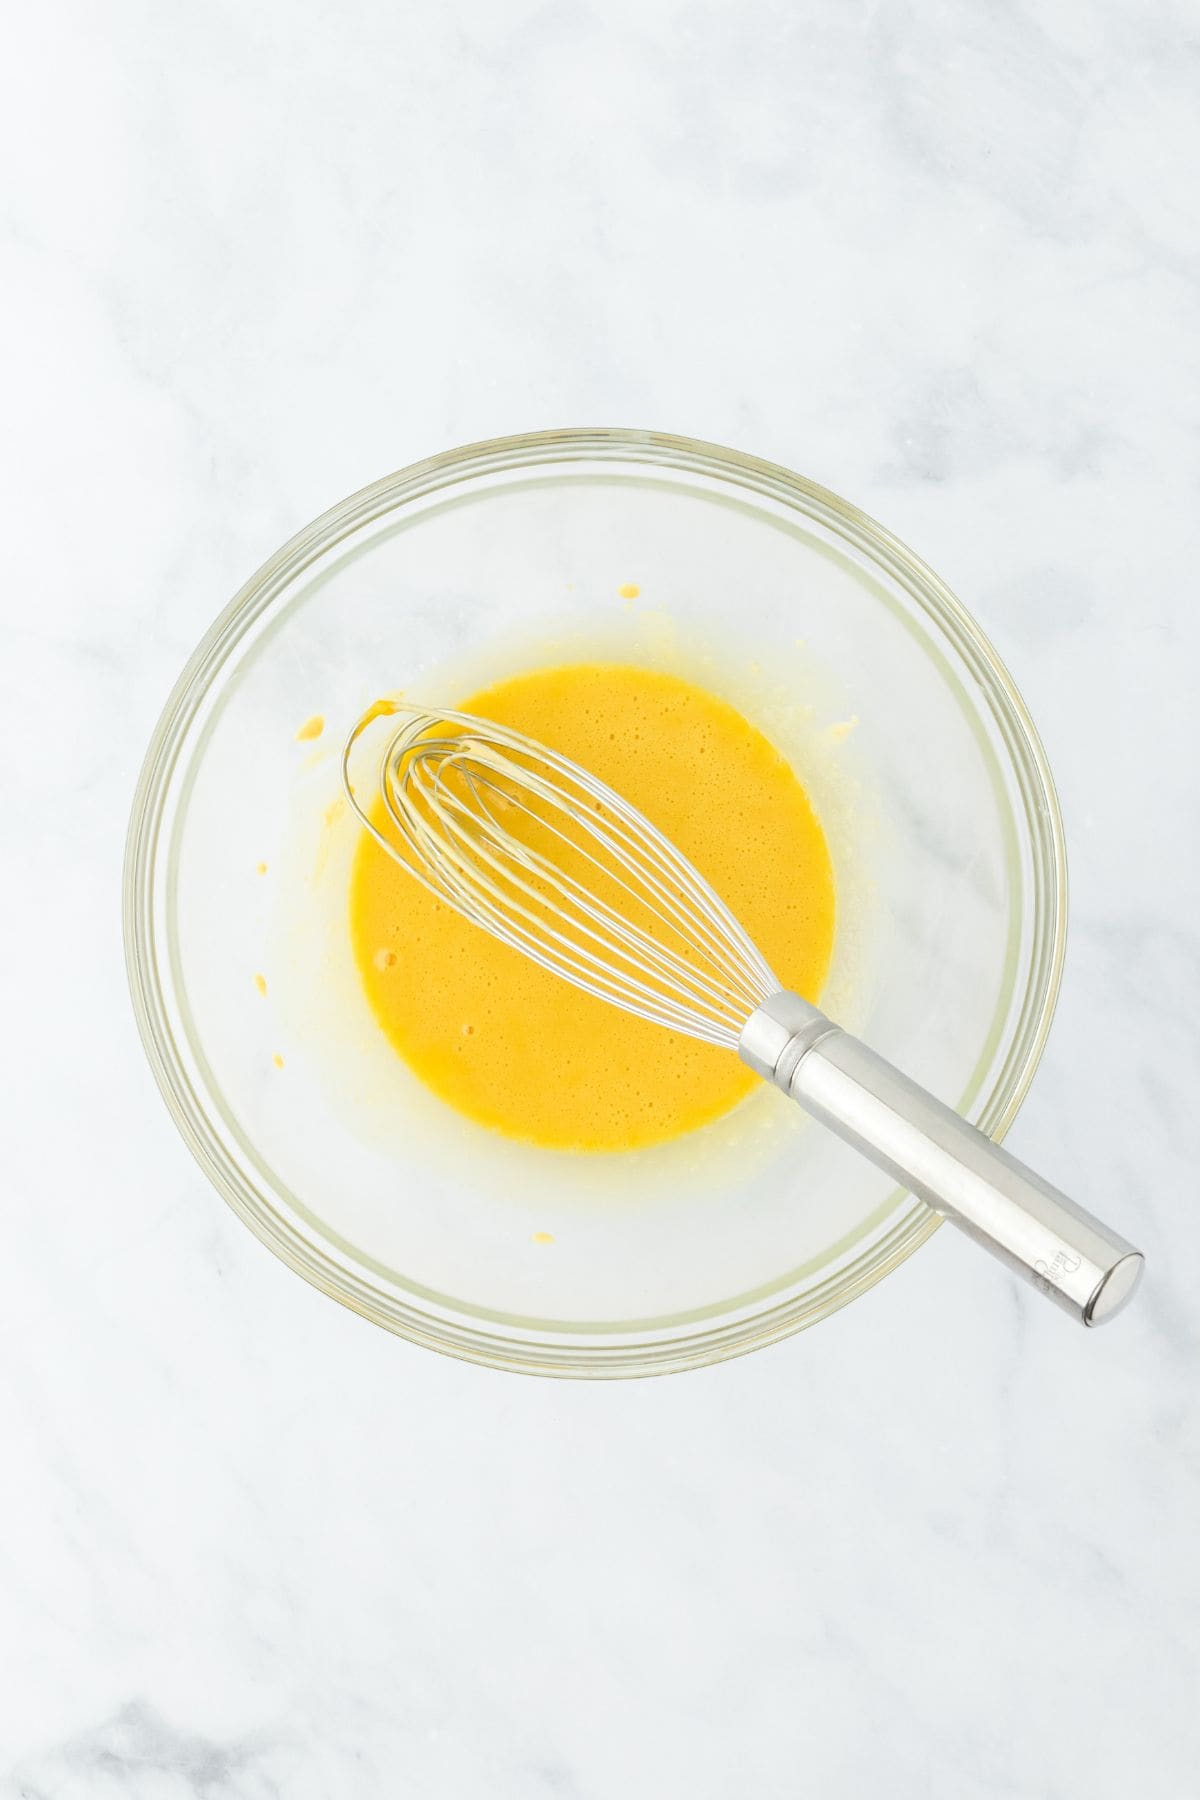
(516, 1048)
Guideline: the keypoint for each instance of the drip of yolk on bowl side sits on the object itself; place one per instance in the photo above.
(520, 1050)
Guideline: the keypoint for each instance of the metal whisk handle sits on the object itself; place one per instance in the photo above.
(1068, 1255)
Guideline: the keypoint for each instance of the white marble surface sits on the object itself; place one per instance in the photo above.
(943, 258)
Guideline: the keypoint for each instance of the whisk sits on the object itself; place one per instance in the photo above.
(535, 850)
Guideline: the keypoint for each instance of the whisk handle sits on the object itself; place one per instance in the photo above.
(1068, 1255)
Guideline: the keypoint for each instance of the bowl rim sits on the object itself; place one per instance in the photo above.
(720, 1339)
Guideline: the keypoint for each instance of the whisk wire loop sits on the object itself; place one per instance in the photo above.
(534, 849)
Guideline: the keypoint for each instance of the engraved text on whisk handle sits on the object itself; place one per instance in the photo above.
(1022, 1219)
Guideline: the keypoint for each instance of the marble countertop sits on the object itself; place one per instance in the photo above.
(944, 260)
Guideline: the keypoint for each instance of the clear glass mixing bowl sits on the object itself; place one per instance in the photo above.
(838, 641)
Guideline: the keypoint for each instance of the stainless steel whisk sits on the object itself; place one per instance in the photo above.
(535, 850)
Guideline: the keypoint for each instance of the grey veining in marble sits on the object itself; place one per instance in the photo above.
(945, 259)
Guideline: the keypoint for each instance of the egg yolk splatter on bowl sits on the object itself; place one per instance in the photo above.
(520, 1050)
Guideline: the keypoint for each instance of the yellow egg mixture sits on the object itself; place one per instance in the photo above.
(519, 1049)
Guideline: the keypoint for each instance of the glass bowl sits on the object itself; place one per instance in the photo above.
(585, 545)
